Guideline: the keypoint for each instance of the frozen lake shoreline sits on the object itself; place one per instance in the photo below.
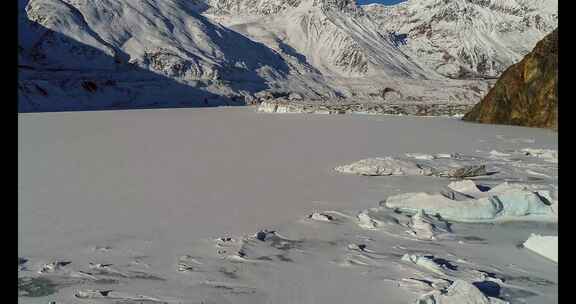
(152, 182)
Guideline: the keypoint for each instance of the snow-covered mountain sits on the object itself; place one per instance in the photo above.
(468, 38)
(338, 40)
(95, 54)
(121, 53)
(334, 36)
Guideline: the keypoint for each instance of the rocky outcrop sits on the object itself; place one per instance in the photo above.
(527, 93)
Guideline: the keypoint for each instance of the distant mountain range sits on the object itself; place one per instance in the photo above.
(468, 38)
(78, 55)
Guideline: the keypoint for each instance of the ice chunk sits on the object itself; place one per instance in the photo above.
(545, 154)
(435, 204)
(462, 190)
(53, 267)
(357, 247)
(415, 164)
(421, 156)
(119, 297)
(426, 285)
(460, 292)
(384, 166)
(423, 226)
(497, 154)
(546, 246)
(502, 203)
(505, 186)
(466, 187)
(317, 216)
(443, 155)
(516, 202)
(462, 172)
(367, 222)
(424, 262)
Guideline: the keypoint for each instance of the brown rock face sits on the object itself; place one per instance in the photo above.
(527, 93)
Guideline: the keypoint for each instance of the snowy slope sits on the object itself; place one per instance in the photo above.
(334, 36)
(129, 53)
(123, 54)
(339, 41)
(468, 38)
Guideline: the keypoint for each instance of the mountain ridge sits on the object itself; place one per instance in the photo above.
(468, 38)
(226, 51)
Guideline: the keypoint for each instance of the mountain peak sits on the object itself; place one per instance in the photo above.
(468, 38)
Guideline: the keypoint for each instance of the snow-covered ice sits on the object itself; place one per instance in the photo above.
(231, 206)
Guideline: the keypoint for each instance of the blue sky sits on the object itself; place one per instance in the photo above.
(379, 1)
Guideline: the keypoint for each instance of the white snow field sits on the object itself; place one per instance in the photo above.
(227, 205)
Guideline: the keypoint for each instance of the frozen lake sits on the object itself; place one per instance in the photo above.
(164, 178)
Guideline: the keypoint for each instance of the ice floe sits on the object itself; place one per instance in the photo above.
(546, 246)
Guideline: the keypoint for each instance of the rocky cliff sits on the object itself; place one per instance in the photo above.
(527, 93)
